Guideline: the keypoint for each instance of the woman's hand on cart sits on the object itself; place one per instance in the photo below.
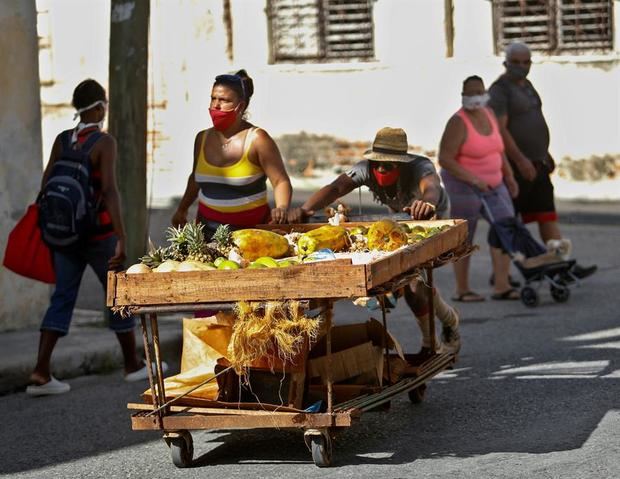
(298, 215)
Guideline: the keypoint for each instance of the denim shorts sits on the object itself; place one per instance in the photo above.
(69, 269)
(465, 202)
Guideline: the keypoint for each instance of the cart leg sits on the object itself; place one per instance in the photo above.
(319, 442)
(431, 309)
(158, 368)
(181, 447)
(155, 399)
(385, 339)
(328, 340)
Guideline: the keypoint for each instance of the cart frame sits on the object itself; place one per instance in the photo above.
(176, 421)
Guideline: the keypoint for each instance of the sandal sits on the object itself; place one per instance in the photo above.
(508, 295)
(468, 297)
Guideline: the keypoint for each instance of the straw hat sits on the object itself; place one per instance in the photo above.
(390, 145)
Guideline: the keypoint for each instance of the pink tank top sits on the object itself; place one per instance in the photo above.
(482, 154)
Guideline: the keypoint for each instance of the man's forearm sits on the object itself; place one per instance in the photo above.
(325, 196)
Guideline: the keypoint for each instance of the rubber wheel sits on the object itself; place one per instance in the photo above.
(560, 294)
(182, 449)
(416, 396)
(321, 448)
(529, 296)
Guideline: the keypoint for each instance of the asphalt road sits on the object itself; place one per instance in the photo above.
(535, 394)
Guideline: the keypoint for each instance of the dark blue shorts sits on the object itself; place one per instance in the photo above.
(69, 269)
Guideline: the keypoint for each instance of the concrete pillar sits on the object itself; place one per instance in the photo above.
(22, 301)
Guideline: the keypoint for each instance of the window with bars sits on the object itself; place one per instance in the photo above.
(320, 30)
(554, 26)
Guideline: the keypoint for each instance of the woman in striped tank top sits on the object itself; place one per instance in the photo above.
(232, 162)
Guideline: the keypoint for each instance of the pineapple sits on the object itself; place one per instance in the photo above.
(197, 249)
(221, 241)
(155, 257)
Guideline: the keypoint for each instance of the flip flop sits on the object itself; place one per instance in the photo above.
(508, 295)
(53, 386)
(468, 297)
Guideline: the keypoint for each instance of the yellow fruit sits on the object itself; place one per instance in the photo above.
(267, 261)
(386, 235)
(328, 236)
(254, 243)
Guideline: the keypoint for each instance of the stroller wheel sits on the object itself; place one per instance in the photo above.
(560, 294)
(529, 296)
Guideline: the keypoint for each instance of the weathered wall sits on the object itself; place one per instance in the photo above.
(411, 84)
(22, 301)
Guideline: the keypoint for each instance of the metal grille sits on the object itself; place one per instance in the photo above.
(321, 30)
(554, 26)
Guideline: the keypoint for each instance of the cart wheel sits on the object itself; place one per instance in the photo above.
(320, 445)
(416, 396)
(181, 448)
(560, 294)
(529, 296)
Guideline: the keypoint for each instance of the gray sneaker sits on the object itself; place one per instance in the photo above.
(451, 340)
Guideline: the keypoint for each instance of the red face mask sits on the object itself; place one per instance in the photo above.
(386, 178)
(222, 120)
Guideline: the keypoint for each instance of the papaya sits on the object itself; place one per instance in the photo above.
(332, 237)
(254, 243)
(386, 235)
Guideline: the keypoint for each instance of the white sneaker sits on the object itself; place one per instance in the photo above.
(142, 374)
(53, 386)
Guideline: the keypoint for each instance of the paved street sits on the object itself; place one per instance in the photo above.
(536, 394)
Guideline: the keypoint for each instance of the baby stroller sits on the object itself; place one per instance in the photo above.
(535, 263)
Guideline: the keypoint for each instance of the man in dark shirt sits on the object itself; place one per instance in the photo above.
(402, 182)
(526, 140)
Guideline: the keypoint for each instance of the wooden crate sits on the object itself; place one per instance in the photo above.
(329, 279)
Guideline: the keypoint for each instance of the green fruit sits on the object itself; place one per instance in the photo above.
(228, 264)
(286, 263)
(218, 261)
(406, 228)
(255, 265)
(267, 261)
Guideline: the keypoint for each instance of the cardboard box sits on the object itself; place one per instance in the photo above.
(357, 354)
(363, 360)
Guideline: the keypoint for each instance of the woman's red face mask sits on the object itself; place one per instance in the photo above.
(385, 172)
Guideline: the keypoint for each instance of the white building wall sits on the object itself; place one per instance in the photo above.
(22, 301)
(411, 84)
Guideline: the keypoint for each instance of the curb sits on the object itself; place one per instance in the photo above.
(95, 356)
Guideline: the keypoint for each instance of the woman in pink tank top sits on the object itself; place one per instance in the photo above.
(473, 164)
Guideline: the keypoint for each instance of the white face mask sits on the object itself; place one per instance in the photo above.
(475, 102)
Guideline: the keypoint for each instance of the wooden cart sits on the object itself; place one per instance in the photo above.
(317, 286)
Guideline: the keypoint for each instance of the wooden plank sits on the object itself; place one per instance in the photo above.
(385, 269)
(319, 280)
(275, 420)
(111, 289)
(208, 410)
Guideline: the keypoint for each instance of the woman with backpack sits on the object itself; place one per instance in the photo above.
(80, 219)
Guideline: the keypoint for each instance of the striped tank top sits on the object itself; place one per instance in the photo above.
(235, 194)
